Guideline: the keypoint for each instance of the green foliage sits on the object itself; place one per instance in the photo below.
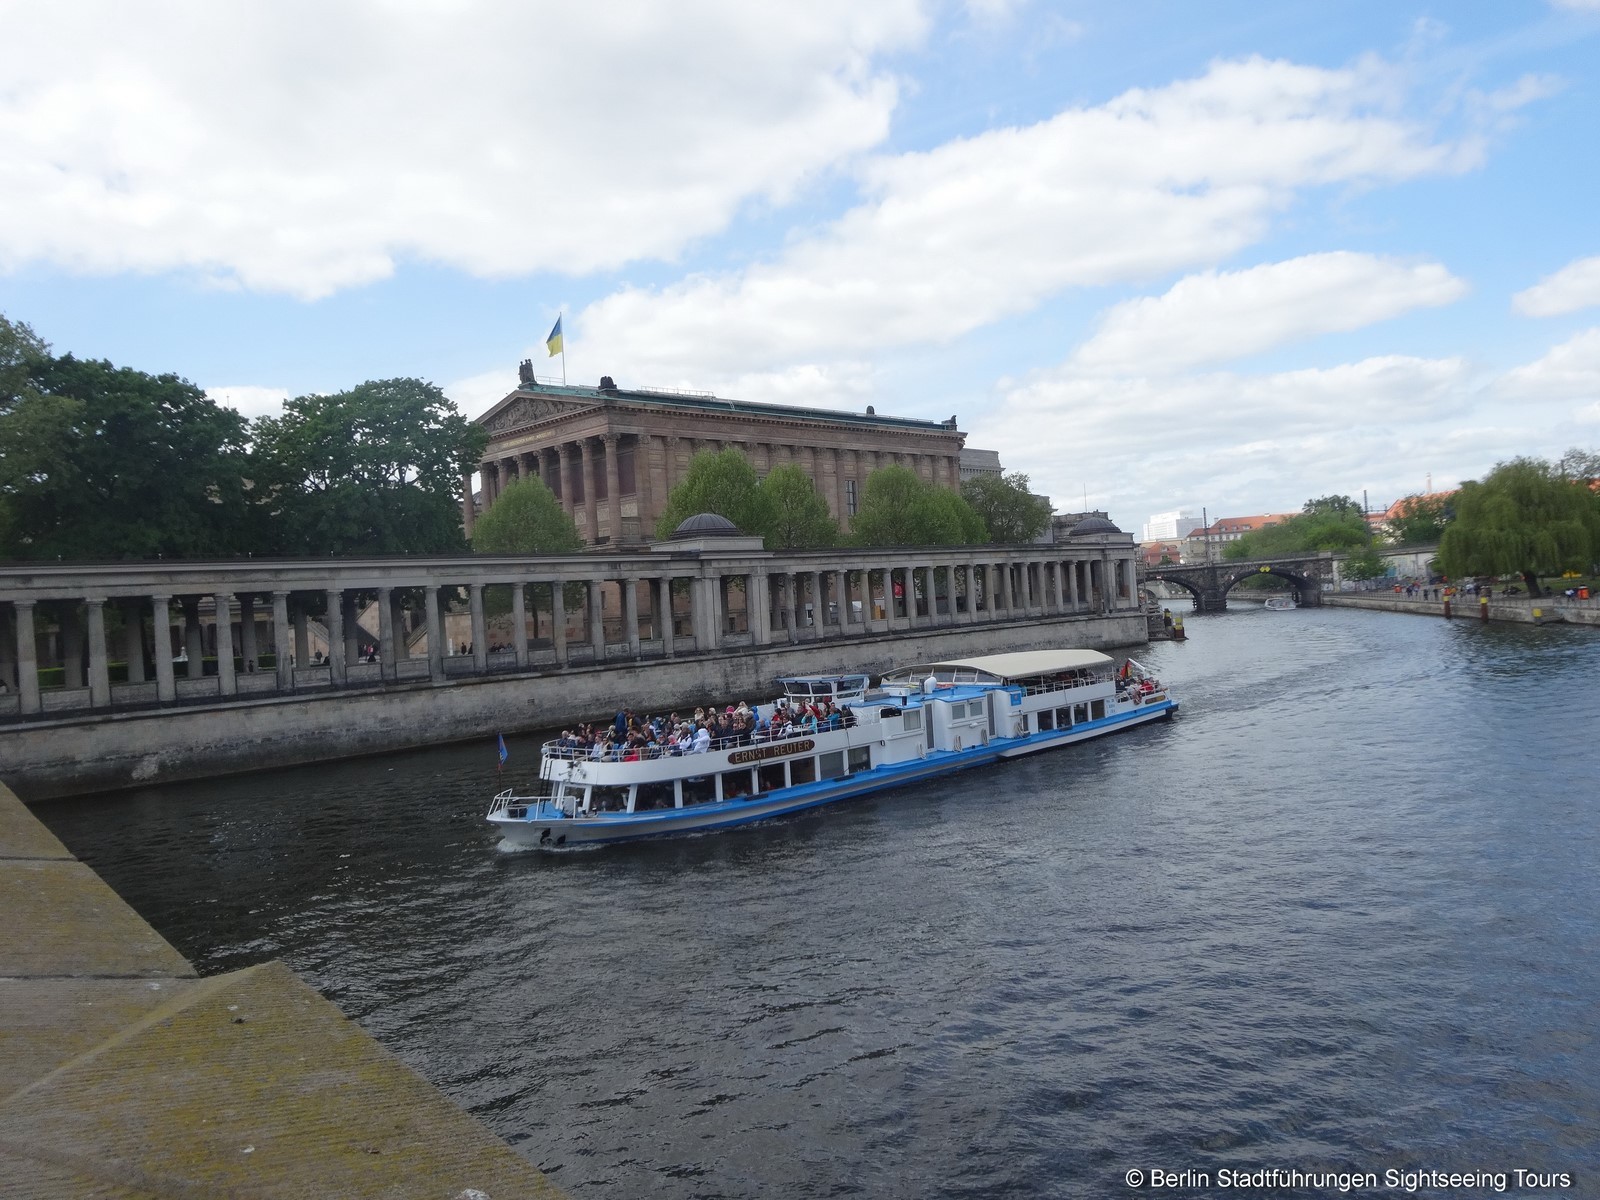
(1420, 520)
(797, 516)
(723, 483)
(372, 470)
(1525, 518)
(104, 462)
(1010, 513)
(1364, 562)
(21, 352)
(1327, 523)
(898, 509)
(1579, 464)
(526, 519)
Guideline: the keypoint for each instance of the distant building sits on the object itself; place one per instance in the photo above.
(979, 462)
(1171, 526)
(1207, 541)
(612, 455)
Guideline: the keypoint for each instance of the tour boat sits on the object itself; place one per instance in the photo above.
(1279, 604)
(920, 723)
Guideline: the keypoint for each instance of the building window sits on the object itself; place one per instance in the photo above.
(850, 497)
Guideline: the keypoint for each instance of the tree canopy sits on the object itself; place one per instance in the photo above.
(1326, 523)
(526, 519)
(723, 483)
(372, 470)
(899, 509)
(98, 461)
(1420, 520)
(1010, 513)
(797, 515)
(1525, 518)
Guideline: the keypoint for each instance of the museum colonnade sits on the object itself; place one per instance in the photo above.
(109, 636)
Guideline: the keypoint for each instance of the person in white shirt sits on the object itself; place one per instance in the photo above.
(702, 740)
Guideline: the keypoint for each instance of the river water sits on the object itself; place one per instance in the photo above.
(1340, 915)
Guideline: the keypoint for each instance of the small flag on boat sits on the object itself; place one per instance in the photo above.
(504, 753)
(553, 342)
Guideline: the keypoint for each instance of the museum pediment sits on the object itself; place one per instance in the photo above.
(516, 411)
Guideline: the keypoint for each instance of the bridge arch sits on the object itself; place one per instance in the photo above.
(1307, 589)
(1195, 590)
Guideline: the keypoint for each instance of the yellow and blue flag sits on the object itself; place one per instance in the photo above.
(553, 342)
(504, 753)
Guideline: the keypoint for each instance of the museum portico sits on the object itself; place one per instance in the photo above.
(612, 455)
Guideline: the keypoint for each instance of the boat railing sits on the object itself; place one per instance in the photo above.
(654, 750)
(517, 808)
(1066, 685)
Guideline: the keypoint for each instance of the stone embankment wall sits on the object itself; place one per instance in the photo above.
(1548, 611)
(71, 756)
(126, 1075)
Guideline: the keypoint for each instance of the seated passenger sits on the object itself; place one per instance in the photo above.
(702, 740)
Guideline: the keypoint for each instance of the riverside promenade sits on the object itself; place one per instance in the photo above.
(124, 1075)
(1548, 610)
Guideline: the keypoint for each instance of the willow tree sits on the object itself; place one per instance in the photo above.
(1525, 518)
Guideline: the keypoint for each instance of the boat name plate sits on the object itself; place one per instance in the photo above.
(776, 750)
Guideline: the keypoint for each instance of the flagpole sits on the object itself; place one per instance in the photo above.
(563, 348)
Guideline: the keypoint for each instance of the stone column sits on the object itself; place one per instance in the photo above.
(280, 640)
(597, 610)
(708, 609)
(99, 669)
(351, 603)
(28, 658)
(562, 488)
(193, 646)
(227, 684)
(467, 514)
(519, 624)
(644, 491)
(161, 647)
(436, 639)
(480, 628)
(758, 607)
(387, 664)
(664, 617)
(558, 621)
(613, 488)
(591, 507)
(910, 575)
(247, 630)
(338, 665)
(630, 614)
(792, 602)
(133, 639)
(302, 635)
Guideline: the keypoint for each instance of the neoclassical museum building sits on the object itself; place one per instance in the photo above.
(612, 455)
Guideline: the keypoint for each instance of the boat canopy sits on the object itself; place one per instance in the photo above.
(1003, 668)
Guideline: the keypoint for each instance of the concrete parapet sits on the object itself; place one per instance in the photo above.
(123, 1075)
(1468, 608)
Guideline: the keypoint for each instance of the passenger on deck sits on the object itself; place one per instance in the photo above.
(702, 739)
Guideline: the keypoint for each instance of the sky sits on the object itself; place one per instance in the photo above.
(1225, 256)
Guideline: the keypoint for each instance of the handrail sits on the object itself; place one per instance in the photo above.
(656, 751)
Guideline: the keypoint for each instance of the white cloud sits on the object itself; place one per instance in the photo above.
(305, 147)
(1569, 371)
(1575, 286)
(1217, 316)
(980, 228)
(251, 400)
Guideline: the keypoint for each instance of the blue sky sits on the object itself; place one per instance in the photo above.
(1159, 255)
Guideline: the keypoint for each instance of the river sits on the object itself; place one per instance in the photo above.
(1341, 914)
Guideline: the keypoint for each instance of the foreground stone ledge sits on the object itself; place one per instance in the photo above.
(123, 1075)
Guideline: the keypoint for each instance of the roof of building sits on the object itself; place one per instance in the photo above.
(1093, 525)
(706, 402)
(1242, 524)
(1020, 664)
(704, 525)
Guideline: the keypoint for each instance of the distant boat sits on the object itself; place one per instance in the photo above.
(1280, 604)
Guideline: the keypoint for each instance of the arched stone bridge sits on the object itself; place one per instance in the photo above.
(1209, 583)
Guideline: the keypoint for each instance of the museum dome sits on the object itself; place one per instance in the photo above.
(704, 525)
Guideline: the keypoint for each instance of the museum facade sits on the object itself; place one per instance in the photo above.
(613, 455)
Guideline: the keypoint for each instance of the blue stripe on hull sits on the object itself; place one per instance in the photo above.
(728, 813)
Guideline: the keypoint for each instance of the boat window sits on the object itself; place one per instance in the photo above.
(913, 719)
(652, 796)
(608, 799)
(802, 770)
(1097, 709)
(1080, 713)
(1047, 719)
(1063, 718)
(833, 764)
(702, 789)
(860, 759)
(736, 784)
(771, 776)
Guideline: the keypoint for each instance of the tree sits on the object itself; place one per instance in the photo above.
(1525, 518)
(98, 461)
(797, 517)
(1327, 523)
(898, 509)
(1364, 562)
(723, 483)
(1010, 513)
(1579, 464)
(1420, 520)
(526, 519)
(21, 352)
(373, 470)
